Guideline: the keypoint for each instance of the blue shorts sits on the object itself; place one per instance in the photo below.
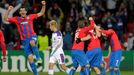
(27, 46)
(94, 57)
(79, 57)
(115, 58)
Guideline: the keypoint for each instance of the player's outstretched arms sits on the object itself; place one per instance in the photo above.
(42, 9)
(7, 13)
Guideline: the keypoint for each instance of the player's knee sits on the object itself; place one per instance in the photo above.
(32, 43)
(51, 65)
(30, 58)
(102, 65)
(111, 68)
(97, 70)
(63, 67)
(87, 65)
(116, 68)
(82, 68)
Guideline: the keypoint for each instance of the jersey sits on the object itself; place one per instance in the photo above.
(94, 40)
(2, 43)
(81, 33)
(57, 42)
(24, 25)
(113, 39)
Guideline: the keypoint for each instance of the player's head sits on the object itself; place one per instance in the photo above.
(53, 25)
(81, 23)
(23, 11)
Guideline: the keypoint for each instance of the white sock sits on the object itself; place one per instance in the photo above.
(51, 72)
(68, 70)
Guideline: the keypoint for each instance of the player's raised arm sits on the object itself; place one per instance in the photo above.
(107, 32)
(42, 9)
(7, 13)
(91, 26)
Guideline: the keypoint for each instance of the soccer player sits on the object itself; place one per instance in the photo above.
(78, 54)
(28, 37)
(93, 54)
(57, 54)
(116, 53)
(3, 46)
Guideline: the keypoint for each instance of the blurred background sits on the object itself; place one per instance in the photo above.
(115, 14)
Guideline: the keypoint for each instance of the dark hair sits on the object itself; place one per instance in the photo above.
(23, 7)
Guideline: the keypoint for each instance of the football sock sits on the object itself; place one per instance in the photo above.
(72, 72)
(103, 71)
(36, 52)
(87, 70)
(117, 72)
(111, 72)
(82, 72)
(51, 72)
(33, 67)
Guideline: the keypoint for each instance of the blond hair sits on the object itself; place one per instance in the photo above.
(53, 22)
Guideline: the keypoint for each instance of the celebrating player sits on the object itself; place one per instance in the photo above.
(3, 46)
(93, 54)
(24, 25)
(78, 54)
(57, 54)
(116, 53)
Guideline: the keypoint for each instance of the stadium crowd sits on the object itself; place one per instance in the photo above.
(115, 14)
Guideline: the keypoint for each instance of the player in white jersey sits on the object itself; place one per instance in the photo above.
(57, 54)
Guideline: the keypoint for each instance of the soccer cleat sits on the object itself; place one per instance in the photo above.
(39, 63)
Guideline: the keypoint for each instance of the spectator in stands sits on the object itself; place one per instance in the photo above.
(55, 13)
(119, 26)
(42, 40)
(67, 40)
(74, 11)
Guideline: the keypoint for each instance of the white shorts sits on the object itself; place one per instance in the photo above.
(59, 58)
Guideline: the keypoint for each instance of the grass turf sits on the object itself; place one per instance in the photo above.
(57, 73)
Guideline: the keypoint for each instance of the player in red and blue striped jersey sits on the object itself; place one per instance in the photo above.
(116, 53)
(28, 37)
(116, 50)
(78, 54)
(2, 45)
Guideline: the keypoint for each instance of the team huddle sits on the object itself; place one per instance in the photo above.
(91, 59)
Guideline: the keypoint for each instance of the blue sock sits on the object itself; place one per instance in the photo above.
(87, 71)
(36, 52)
(72, 72)
(82, 72)
(103, 71)
(33, 67)
(117, 72)
(111, 72)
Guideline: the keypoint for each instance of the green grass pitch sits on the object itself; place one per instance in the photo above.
(57, 73)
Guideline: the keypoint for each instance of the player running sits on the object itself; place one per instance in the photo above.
(3, 46)
(78, 54)
(57, 54)
(116, 53)
(28, 37)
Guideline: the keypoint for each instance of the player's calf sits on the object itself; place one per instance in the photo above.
(32, 64)
(117, 70)
(103, 69)
(51, 71)
(97, 70)
(67, 70)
